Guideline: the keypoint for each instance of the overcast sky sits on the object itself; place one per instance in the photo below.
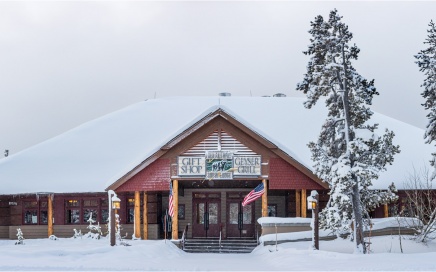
(65, 63)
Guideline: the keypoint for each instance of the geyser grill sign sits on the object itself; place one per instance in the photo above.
(247, 165)
(219, 165)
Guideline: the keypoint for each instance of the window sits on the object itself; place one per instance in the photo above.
(72, 212)
(181, 213)
(130, 210)
(90, 210)
(272, 210)
(35, 212)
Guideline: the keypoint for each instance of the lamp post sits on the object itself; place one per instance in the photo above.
(114, 204)
(312, 204)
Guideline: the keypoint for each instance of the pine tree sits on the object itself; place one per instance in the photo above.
(348, 154)
(20, 237)
(426, 60)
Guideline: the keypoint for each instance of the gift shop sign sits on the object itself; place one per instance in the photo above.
(191, 166)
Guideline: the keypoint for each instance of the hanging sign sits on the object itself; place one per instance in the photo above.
(219, 165)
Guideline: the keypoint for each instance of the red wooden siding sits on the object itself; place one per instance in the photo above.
(282, 175)
(155, 177)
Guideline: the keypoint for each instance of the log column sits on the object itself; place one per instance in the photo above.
(297, 203)
(303, 203)
(145, 217)
(175, 220)
(137, 215)
(265, 199)
(50, 214)
(386, 210)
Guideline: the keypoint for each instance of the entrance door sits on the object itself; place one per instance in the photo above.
(240, 220)
(206, 219)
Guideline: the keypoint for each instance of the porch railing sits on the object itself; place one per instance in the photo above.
(183, 240)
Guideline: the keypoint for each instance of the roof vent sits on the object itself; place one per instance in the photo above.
(279, 95)
(225, 94)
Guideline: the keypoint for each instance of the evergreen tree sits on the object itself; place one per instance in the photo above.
(348, 154)
(20, 237)
(426, 60)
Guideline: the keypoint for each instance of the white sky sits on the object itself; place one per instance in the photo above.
(65, 63)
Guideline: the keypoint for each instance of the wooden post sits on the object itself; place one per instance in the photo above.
(316, 222)
(50, 214)
(145, 217)
(298, 203)
(265, 199)
(137, 215)
(303, 203)
(175, 225)
(386, 210)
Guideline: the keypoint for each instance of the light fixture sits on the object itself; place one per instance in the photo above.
(116, 203)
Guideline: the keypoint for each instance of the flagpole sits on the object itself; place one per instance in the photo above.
(165, 226)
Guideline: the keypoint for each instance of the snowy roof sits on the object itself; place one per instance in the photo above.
(94, 155)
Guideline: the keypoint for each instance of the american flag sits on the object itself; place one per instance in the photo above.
(254, 194)
(171, 203)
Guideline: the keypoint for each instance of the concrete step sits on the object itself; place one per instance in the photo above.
(213, 245)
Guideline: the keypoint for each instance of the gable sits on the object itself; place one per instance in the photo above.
(221, 133)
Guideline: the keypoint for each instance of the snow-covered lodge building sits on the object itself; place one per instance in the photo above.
(213, 150)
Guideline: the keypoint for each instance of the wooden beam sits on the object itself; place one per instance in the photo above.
(137, 215)
(145, 217)
(50, 214)
(386, 210)
(303, 203)
(265, 199)
(175, 225)
(298, 203)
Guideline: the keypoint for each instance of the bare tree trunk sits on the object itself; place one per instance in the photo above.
(358, 220)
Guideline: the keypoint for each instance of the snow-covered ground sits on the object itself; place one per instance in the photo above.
(96, 255)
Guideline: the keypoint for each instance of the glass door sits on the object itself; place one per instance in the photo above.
(240, 220)
(206, 215)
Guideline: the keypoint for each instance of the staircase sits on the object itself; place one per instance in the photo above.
(211, 245)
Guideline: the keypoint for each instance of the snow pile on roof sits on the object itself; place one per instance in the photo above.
(97, 153)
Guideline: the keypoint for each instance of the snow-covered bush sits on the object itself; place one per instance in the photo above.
(94, 230)
(118, 229)
(77, 234)
(20, 237)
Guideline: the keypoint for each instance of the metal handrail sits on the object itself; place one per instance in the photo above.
(221, 230)
(257, 234)
(183, 240)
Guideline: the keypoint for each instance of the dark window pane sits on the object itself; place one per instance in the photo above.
(31, 204)
(131, 202)
(44, 217)
(105, 215)
(73, 203)
(130, 215)
(73, 216)
(30, 217)
(90, 203)
(87, 213)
